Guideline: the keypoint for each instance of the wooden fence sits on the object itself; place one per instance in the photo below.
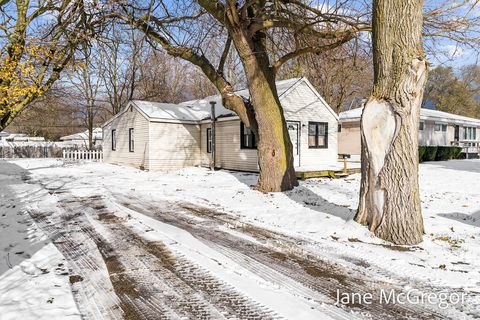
(83, 155)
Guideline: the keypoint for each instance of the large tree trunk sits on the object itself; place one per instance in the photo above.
(275, 150)
(275, 156)
(389, 196)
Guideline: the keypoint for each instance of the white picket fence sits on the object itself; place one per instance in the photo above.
(83, 155)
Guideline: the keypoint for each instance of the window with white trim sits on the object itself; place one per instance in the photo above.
(131, 140)
(209, 140)
(470, 133)
(247, 138)
(114, 140)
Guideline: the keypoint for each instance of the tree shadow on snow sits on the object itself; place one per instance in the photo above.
(311, 200)
(302, 196)
(248, 178)
(470, 219)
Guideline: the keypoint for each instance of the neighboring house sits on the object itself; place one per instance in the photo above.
(18, 137)
(163, 136)
(437, 128)
(81, 138)
(4, 135)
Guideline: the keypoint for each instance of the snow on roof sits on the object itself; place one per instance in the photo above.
(97, 135)
(199, 109)
(170, 111)
(447, 117)
(353, 114)
(425, 114)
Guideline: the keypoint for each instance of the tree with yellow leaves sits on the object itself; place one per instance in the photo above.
(38, 40)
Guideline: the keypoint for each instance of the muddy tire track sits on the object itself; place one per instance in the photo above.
(150, 282)
(282, 263)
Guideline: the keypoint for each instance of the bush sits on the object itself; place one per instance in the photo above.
(430, 153)
(443, 153)
(438, 153)
(421, 152)
(456, 151)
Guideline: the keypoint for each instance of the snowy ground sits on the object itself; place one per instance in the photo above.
(200, 244)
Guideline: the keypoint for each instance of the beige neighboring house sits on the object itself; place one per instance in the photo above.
(164, 136)
(437, 128)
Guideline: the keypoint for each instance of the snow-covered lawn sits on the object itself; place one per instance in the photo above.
(319, 211)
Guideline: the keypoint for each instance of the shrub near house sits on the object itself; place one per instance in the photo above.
(438, 153)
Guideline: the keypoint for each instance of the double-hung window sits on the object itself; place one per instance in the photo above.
(440, 127)
(247, 138)
(114, 140)
(131, 140)
(470, 133)
(318, 135)
(209, 140)
(422, 125)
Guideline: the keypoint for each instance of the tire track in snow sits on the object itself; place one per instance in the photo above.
(152, 282)
(77, 249)
(292, 269)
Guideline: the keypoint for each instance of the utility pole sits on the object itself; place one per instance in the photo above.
(212, 117)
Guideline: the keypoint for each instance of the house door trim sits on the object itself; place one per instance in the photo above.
(296, 156)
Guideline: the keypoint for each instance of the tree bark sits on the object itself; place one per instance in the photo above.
(275, 150)
(275, 155)
(389, 196)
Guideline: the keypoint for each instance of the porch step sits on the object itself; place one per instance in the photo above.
(333, 174)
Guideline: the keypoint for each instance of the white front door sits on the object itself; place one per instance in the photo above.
(294, 132)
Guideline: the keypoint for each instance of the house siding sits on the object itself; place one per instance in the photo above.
(174, 146)
(429, 137)
(131, 118)
(168, 146)
(303, 105)
(229, 155)
(349, 137)
(349, 141)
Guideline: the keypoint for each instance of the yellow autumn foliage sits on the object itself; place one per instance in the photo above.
(18, 75)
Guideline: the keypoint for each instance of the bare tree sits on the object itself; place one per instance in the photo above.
(51, 116)
(86, 83)
(343, 76)
(248, 27)
(121, 52)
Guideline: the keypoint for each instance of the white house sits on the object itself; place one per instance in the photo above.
(81, 138)
(164, 136)
(437, 128)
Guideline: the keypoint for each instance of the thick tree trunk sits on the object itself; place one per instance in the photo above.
(275, 156)
(389, 196)
(275, 150)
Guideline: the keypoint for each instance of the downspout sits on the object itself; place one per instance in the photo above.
(213, 119)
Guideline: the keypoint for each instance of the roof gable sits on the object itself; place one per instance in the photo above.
(314, 91)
